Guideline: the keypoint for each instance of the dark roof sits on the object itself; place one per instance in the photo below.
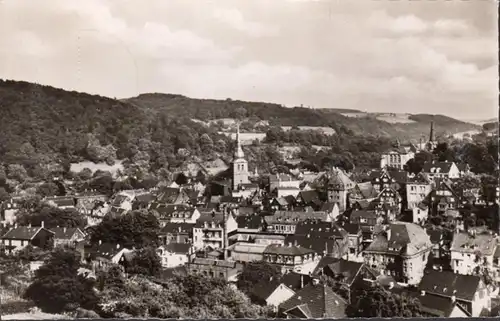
(293, 217)
(357, 214)
(295, 281)
(168, 273)
(263, 290)
(23, 233)
(435, 235)
(106, 250)
(401, 238)
(230, 199)
(250, 221)
(287, 250)
(319, 245)
(209, 217)
(168, 211)
(180, 248)
(118, 200)
(348, 269)
(171, 228)
(351, 228)
(318, 228)
(316, 301)
(434, 305)
(364, 190)
(328, 206)
(168, 195)
(309, 197)
(447, 283)
(64, 232)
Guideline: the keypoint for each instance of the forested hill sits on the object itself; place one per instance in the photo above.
(205, 109)
(45, 125)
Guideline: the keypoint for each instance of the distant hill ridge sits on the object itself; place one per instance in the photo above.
(278, 115)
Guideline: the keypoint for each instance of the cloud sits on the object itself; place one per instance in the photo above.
(234, 18)
(327, 54)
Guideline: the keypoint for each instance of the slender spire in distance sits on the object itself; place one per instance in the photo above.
(238, 153)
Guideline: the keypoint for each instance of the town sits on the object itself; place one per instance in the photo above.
(292, 243)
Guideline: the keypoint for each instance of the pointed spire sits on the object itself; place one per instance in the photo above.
(238, 153)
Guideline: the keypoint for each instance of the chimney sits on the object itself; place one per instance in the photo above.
(65, 230)
(117, 246)
(15, 225)
(391, 285)
(315, 281)
(100, 242)
(29, 225)
(422, 293)
(301, 281)
(388, 234)
(453, 298)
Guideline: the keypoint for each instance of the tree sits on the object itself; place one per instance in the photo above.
(256, 272)
(144, 261)
(47, 189)
(134, 229)
(57, 287)
(416, 164)
(378, 302)
(51, 217)
(17, 172)
(3, 194)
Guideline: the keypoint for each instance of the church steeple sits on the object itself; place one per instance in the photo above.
(238, 153)
(431, 135)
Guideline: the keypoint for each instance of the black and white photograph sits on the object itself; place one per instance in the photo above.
(249, 159)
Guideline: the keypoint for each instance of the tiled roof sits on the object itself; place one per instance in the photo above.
(168, 211)
(435, 305)
(351, 228)
(168, 195)
(319, 245)
(419, 179)
(63, 233)
(363, 214)
(309, 197)
(287, 250)
(447, 283)
(404, 238)
(263, 290)
(319, 229)
(316, 301)
(243, 247)
(364, 190)
(216, 217)
(106, 250)
(22, 233)
(328, 206)
(463, 242)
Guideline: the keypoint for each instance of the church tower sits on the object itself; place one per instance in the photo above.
(431, 144)
(240, 165)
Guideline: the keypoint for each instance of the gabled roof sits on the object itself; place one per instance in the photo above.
(106, 250)
(447, 283)
(367, 214)
(316, 301)
(168, 195)
(23, 233)
(168, 211)
(364, 190)
(337, 266)
(484, 243)
(437, 167)
(263, 290)
(63, 233)
(309, 197)
(337, 179)
(328, 206)
(295, 281)
(215, 217)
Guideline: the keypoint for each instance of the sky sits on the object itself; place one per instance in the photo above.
(408, 56)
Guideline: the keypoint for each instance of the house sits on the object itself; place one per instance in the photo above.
(227, 270)
(314, 301)
(441, 257)
(443, 197)
(367, 220)
(349, 274)
(417, 189)
(175, 213)
(9, 208)
(61, 202)
(142, 201)
(420, 213)
(338, 186)
(246, 252)
(213, 229)
(355, 239)
(308, 198)
(390, 197)
(467, 290)
(332, 209)
(283, 180)
(290, 257)
(104, 255)
(281, 204)
(363, 192)
(176, 233)
(402, 251)
(285, 222)
(20, 236)
(471, 251)
(388, 178)
(67, 236)
(272, 293)
(323, 237)
(175, 254)
(440, 170)
(397, 157)
(86, 201)
(283, 191)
